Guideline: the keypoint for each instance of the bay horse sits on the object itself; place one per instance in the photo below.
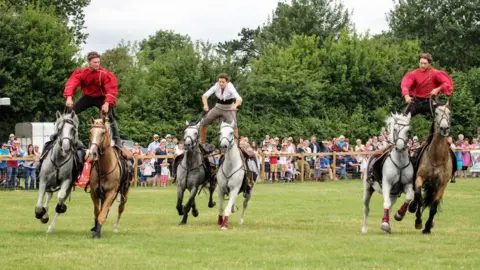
(392, 173)
(434, 169)
(111, 174)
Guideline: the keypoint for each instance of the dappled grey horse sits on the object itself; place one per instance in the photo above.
(58, 168)
(192, 174)
(230, 175)
(396, 173)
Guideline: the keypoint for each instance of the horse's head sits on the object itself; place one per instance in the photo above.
(190, 136)
(398, 127)
(442, 119)
(99, 137)
(66, 127)
(227, 136)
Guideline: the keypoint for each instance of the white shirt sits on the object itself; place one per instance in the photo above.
(229, 92)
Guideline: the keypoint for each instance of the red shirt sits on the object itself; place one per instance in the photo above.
(98, 83)
(419, 83)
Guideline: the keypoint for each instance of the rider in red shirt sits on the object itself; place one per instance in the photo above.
(422, 83)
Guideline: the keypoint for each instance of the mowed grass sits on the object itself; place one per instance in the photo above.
(288, 226)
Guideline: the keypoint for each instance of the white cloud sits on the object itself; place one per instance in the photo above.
(110, 21)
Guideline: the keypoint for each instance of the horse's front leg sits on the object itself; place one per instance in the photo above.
(228, 210)
(107, 203)
(409, 194)
(180, 191)
(61, 207)
(387, 205)
(418, 202)
(40, 211)
(188, 205)
(211, 190)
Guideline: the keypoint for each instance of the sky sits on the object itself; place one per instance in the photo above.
(110, 21)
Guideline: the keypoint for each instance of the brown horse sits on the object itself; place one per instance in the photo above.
(434, 169)
(111, 175)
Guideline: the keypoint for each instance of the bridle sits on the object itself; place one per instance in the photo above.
(74, 129)
(230, 141)
(102, 142)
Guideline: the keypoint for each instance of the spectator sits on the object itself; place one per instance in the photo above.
(5, 151)
(30, 168)
(153, 146)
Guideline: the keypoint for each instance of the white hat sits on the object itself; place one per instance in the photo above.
(11, 135)
(168, 136)
(155, 135)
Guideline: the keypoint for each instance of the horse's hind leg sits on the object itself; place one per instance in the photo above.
(367, 195)
(211, 190)
(429, 223)
(121, 208)
(107, 203)
(408, 199)
(61, 207)
(248, 196)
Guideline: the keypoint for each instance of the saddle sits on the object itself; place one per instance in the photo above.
(207, 159)
(251, 168)
(374, 170)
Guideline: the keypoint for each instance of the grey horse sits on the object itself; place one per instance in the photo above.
(230, 175)
(58, 168)
(192, 173)
(396, 173)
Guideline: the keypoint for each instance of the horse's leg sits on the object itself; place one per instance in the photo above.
(121, 208)
(367, 195)
(180, 191)
(107, 203)
(188, 205)
(387, 205)
(194, 208)
(211, 203)
(418, 201)
(228, 210)
(44, 219)
(221, 200)
(408, 188)
(40, 211)
(61, 207)
(248, 196)
(96, 207)
(433, 210)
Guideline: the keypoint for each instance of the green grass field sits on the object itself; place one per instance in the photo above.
(289, 226)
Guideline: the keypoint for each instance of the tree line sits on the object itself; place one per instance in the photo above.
(306, 71)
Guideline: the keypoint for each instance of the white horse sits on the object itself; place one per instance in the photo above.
(56, 172)
(396, 171)
(230, 175)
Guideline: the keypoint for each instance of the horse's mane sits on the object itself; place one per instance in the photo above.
(392, 119)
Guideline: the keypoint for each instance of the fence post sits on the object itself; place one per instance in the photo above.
(135, 170)
(302, 166)
(334, 164)
(262, 174)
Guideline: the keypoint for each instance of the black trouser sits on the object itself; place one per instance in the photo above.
(86, 102)
(419, 106)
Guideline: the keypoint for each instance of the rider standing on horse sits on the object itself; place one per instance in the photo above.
(421, 84)
(100, 90)
(228, 100)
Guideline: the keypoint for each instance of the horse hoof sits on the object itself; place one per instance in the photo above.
(398, 217)
(41, 213)
(96, 235)
(426, 231)
(412, 208)
(212, 204)
(61, 208)
(195, 212)
(182, 223)
(44, 220)
(364, 230)
(418, 226)
(220, 220)
(386, 227)
(223, 228)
